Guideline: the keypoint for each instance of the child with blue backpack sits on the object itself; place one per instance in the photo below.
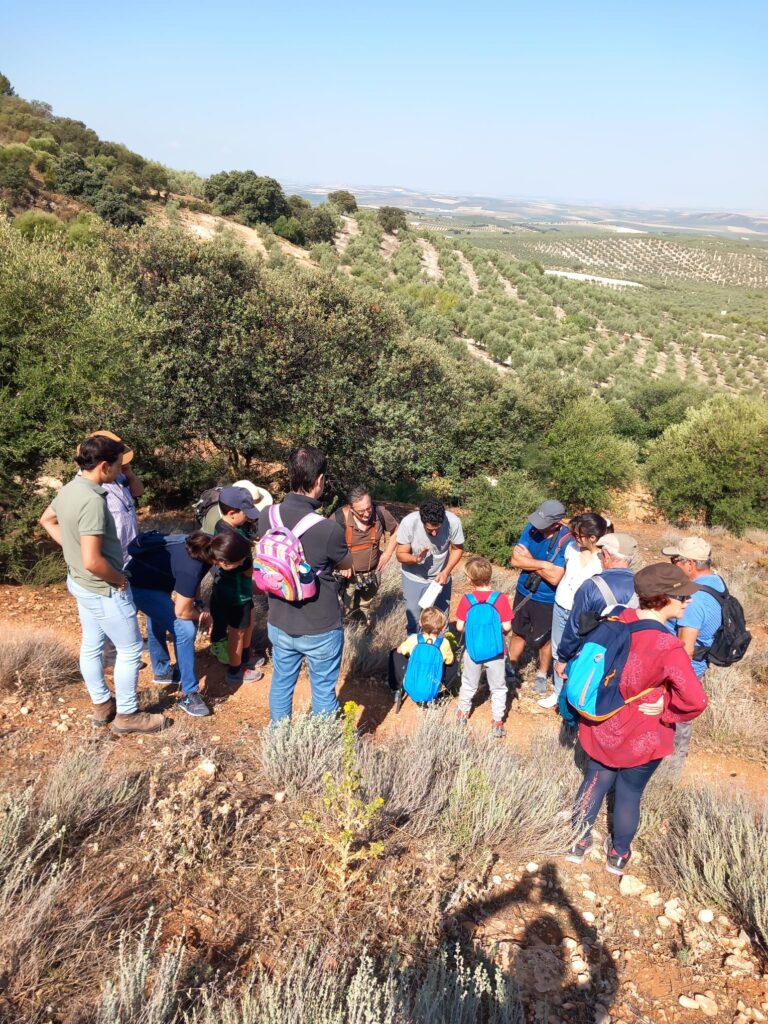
(424, 662)
(484, 616)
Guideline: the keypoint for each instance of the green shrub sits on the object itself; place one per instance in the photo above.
(290, 229)
(15, 162)
(712, 465)
(343, 200)
(45, 144)
(36, 223)
(392, 218)
(497, 513)
(586, 457)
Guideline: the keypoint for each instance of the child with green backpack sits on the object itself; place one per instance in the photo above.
(484, 616)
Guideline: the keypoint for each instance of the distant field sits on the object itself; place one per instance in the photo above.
(702, 316)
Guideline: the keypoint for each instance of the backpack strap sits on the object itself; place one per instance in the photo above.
(718, 595)
(306, 523)
(275, 519)
(472, 600)
(605, 591)
(493, 598)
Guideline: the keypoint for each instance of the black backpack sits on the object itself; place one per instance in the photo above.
(207, 499)
(732, 639)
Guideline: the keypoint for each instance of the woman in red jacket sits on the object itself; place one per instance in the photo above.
(625, 750)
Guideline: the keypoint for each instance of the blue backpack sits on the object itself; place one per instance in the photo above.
(594, 674)
(424, 674)
(482, 631)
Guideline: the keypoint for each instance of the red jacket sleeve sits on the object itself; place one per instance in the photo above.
(685, 697)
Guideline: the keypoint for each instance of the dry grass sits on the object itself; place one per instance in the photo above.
(734, 718)
(36, 661)
(713, 846)
(297, 752)
(129, 997)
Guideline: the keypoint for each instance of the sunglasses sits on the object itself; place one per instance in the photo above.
(679, 597)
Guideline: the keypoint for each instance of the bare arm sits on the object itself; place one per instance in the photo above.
(688, 635)
(405, 556)
(135, 486)
(522, 559)
(50, 523)
(389, 551)
(94, 562)
(457, 550)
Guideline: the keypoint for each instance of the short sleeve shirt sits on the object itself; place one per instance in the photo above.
(81, 509)
(703, 613)
(411, 532)
(408, 646)
(502, 605)
(122, 505)
(578, 569)
(545, 549)
(365, 545)
(169, 568)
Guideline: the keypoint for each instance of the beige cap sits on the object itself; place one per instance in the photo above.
(695, 548)
(618, 544)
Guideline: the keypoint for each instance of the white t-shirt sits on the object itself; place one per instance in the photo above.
(411, 531)
(576, 572)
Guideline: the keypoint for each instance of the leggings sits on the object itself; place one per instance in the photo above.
(627, 785)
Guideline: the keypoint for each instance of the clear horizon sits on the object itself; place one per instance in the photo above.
(656, 107)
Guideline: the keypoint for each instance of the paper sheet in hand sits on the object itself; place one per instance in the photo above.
(430, 595)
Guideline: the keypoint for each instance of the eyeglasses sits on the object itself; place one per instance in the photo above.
(674, 559)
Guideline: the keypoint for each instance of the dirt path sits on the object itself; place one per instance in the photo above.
(469, 270)
(477, 352)
(430, 263)
(390, 244)
(349, 229)
(510, 289)
(206, 225)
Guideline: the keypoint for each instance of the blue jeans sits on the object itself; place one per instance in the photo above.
(161, 620)
(323, 653)
(627, 785)
(113, 617)
(559, 618)
(412, 591)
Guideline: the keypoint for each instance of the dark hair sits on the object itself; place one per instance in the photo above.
(432, 512)
(305, 465)
(653, 604)
(356, 493)
(224, 547)
(590, 524)
(98, 449)
(224, 509)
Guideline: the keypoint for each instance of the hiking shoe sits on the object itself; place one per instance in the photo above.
(579, 851)
(103, 714)
(548, 702)
(498, 732)
(235, 676)
(218, 650)
(540, 683)
(139, 721)
(252, 661)
(166, 680)
(462, 717)
(194, 705)
(615, 862)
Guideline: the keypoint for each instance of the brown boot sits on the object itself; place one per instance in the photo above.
(139, 721)
(103, 714)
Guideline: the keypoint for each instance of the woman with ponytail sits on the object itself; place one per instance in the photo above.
(166, 571)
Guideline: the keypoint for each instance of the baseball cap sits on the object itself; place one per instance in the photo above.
(547, 514)
(239, 498)
(620, 544)
(261, 496)
(663, 578)
(127, 454)
(695, 548)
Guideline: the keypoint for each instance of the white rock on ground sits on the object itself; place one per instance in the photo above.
(688, 1003)
(707, 1005)
(705, 916)
(631, 886)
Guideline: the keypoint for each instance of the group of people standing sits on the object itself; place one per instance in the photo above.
(568, 571)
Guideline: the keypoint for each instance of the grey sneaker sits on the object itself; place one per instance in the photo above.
(242, 675)
(540, 683)
(579, 851)
(194, 705)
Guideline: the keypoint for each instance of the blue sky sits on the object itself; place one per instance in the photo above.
(659, 103)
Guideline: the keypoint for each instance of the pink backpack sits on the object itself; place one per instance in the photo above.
(279, 565)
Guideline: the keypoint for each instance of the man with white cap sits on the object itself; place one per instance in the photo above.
(615, 585)
(700, 621)
(540, 553)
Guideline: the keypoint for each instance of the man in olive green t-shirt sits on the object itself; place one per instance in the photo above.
(79, 520)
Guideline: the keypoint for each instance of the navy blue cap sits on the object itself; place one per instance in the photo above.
(239, 498)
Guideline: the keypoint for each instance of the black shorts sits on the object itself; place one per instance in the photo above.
(236, 616)
(533, 622)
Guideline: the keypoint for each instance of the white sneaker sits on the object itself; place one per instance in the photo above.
(548, 702)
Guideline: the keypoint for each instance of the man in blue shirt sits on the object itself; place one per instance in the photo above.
(540, 554)
(615, 585)
(700, 621)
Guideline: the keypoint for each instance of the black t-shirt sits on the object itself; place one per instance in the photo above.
(324, 546)
(166, 565)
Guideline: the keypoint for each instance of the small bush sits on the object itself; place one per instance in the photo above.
(290, 229)
(36, 661)
(733, 717)
(727, 863)
(498, 513)
(37, 224)
(296, 753)
(130, 997)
